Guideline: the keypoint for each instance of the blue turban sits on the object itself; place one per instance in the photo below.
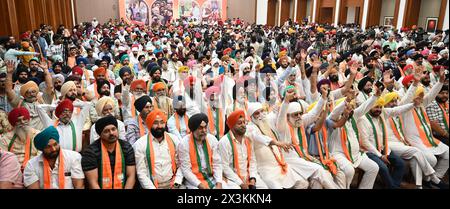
(82, 60)
(41, 140)
(123, 70)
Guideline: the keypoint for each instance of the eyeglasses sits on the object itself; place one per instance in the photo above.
(297, 115)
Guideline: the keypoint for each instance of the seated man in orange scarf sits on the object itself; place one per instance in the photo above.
(199, 158)
(20, 140)
(156, 155)
(238, 155)
(68, 123)
(109, 159)
(54, 168)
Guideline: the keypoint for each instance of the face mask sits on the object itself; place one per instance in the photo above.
(158, 133)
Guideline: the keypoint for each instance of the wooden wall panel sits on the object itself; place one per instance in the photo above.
(19, 16)
(373, 17)
(442, 14)
(301, 10)
(271, 12)
(285, 8)
(411, 13)
(396, 10)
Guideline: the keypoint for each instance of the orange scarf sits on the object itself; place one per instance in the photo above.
(235, 154)
(150, 155)
(280, 159)
(398, 131)
(378, 142)
(107, 180)
(327, 162)
(299, 142)
(95, 91)
(346, 146)
(177, 123)
(423, 127)
(444, 114)
(48, 171)
(196, 163)
(27, 149)
(213, 127)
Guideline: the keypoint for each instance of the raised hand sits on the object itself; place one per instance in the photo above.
(10, 66)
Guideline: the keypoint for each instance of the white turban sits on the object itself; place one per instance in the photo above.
(59, 77)
(295, 107)
(66, 87)
(244, 65)
(253, 107)
(101, 104)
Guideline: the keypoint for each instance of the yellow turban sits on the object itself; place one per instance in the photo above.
(380, 102)
(389, 97)
(101, 103)
(291, 31)
(66, 87)
(183, 69)
(419, 91)
(311, 106)
(282, 54)
(30, 85)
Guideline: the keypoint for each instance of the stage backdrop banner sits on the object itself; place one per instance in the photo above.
(147, 12)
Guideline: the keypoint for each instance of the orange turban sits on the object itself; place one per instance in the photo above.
(136, 83)
(65, 104)
(158, 86)
(25, 45)
(99, 71)
(30, 85)
(234, 117)
(152, 117)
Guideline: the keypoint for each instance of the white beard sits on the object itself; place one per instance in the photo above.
(22, 131)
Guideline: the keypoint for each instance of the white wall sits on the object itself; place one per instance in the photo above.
(387, 9)
(308, 8)
(428, 8)
(103, 10)
(261, 12)
(445, 26)
(351, 15)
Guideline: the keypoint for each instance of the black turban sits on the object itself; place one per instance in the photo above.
(101, 83)
(154, 69)
(124, 70)
(103, 122)
(195, 121)
(140, 103)
(363, 82)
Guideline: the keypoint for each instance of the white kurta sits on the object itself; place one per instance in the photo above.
(72, 165)
(65, 130)
(335, 139)
(410, 128)
(367, 131)
(163, 161)
(305, 168)
(247, 171)
(186, 166)
(171, 125)
(267, 165)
